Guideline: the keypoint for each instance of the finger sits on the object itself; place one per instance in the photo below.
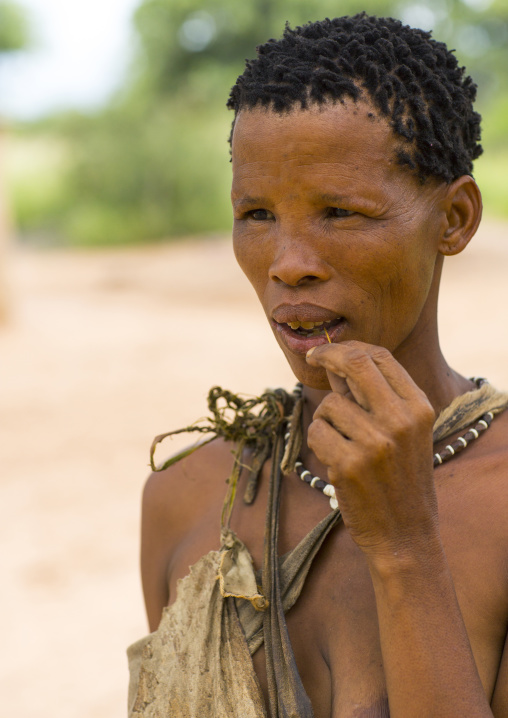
(394, 373)
(346, 417)
(338, 384)
(330, 447)
(351, 362)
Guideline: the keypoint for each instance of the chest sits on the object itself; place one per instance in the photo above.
(334, 630)
(333, 626)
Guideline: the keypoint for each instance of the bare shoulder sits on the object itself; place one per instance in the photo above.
(481, 472)
(494, 477)
(175, 503)
(492, 461)
(473, 501)
(175, 498)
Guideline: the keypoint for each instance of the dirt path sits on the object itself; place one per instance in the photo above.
(98, 358)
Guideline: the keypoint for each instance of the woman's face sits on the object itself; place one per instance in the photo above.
(331, 231)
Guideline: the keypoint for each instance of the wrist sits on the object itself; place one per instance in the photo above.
(410, 560)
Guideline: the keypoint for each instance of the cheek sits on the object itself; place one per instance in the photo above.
(418, 268)
(252, 258)
(407, 292)
(394, 280)
(245, 254)
(406, 270)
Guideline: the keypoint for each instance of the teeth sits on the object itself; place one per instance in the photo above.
(305, 325)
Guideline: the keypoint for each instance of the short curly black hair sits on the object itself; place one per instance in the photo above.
(412, 79)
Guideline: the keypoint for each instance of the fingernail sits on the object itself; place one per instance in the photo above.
(310, 352)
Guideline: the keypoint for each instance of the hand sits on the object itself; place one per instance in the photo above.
(374, 433)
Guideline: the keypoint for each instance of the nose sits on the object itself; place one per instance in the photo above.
(296, 262)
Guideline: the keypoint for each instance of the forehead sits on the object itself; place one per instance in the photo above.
(347, 141)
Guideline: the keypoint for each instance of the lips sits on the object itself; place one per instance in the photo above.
(285, 313)
(301, 326)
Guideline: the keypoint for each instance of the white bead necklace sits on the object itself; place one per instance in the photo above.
(451, 450)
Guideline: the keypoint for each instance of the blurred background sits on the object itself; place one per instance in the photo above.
(115, 110)
(120, 303)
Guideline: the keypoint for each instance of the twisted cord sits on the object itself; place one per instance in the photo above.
(248, 423)
(295, 434)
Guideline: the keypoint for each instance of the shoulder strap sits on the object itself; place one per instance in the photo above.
(293, 569)
(287, 695)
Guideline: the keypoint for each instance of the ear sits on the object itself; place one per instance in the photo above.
(463, 211)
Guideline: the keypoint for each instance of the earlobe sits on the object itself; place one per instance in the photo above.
(463, 209)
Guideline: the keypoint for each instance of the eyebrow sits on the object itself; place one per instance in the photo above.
(250, 201)
(334, 199)
(354, 198)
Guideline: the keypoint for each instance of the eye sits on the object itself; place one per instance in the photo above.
(260, 215)
(339, 212)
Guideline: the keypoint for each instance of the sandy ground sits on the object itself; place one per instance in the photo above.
(104, 350)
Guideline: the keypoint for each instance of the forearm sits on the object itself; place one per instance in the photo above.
(428, 662)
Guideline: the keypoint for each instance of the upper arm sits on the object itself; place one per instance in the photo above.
(156, 547)
(175, 503)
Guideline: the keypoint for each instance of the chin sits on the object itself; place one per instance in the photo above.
(311, 377)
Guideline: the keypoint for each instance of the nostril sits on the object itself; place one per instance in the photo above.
(307, 279)
(297, 267)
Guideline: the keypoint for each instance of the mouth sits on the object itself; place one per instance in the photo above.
(312, 329)
(300, 336)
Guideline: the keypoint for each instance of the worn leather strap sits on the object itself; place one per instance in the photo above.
(287, 695)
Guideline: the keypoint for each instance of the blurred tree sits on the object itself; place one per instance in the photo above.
(13, 36)
(13, 27)
(154, 163)
(181, 38)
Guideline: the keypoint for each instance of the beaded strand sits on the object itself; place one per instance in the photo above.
(460, 444)
(446, 454)
(314, 481)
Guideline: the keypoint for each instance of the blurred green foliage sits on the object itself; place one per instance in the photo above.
(13, 27)
(155, 162)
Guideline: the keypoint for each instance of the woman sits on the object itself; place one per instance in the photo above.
(352, 151)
